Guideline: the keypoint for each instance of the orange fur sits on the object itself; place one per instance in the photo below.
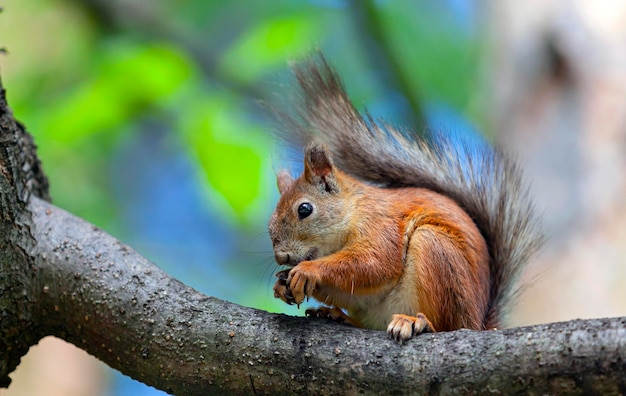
(440, 245)
(377, 253)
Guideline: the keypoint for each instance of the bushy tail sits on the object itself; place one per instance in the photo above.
(483, 181)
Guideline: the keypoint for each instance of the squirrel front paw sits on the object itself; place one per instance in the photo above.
(281, 290)
(403, 327)
(303, 281)
(294, 284)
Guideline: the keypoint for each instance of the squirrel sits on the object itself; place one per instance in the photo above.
(390, 231)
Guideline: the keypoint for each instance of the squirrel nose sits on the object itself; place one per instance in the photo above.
(281, 257)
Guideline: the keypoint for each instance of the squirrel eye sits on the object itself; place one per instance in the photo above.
(304, 210)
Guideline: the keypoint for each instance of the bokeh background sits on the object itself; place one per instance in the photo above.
(148, 120)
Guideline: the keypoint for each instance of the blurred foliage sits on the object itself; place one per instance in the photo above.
(269, 43)
(441, 62)
(87, 77)
(227, 147)
(102, 77)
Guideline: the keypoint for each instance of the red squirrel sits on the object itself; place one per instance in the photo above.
(390, 231)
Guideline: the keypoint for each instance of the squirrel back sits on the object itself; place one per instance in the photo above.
(482, 180)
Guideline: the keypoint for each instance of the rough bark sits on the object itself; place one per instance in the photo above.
(61, 276)
(89, 289)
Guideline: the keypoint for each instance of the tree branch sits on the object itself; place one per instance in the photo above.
(95, 292)
(62, 276)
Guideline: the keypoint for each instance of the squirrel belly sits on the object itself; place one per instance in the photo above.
(377, 252)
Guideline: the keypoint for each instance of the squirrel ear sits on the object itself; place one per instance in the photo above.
(319, 168)
(284, 180)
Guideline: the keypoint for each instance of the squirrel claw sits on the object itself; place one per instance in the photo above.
(332, 313)
(282, 276)
(403, 327)
(302, 281)
(281, 290)
(296, 284)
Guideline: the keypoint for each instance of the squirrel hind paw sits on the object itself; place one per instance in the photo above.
(332, 313)
(402, 327)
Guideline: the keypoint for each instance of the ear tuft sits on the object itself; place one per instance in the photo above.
(319, 168)
(318, 159)
(284, 180)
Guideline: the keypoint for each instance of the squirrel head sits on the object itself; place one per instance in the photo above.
(311, 218)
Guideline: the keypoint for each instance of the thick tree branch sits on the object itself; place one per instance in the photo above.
(62, 276)
(91, 290)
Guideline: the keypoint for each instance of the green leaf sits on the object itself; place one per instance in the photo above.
(129, 79)
(266, 46)
(443, 61)
(228, 149)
